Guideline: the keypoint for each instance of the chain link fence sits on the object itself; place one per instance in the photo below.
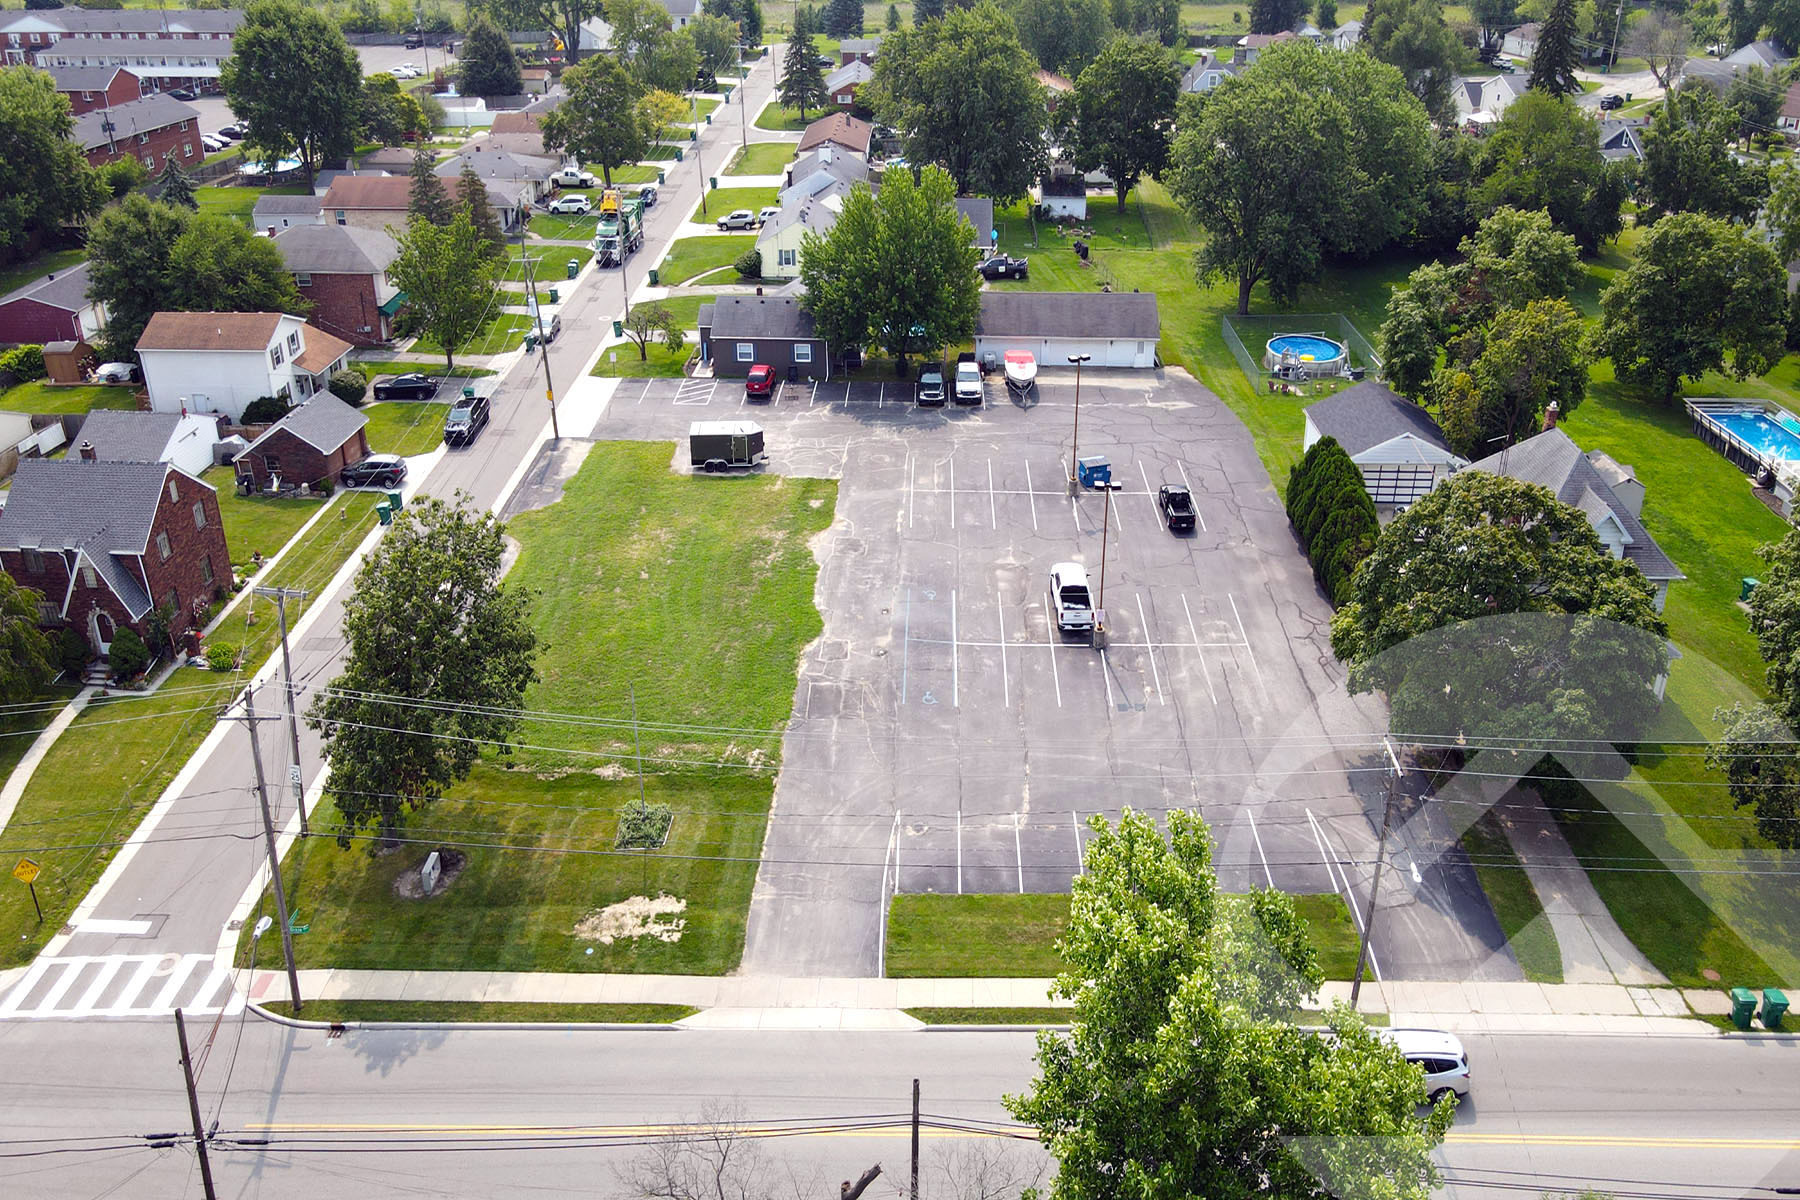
(1247, 337)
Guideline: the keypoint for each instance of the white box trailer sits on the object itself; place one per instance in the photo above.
(722, 445)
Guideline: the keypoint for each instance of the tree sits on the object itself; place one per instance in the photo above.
(893, 17)
(844, 18)
(1545, 153)
(1412, 35)
(716, 40)
(597, 124)
(1775, 620)
(1531, 357)
(389, 115)
(122, 175)
(992, 139)
(645, 323)
(1276, 16)
(1409, 346)
(1761, 763)
(1516, 256)
(925, 11)
(29, 661)
(1663, 41)
(636, 26)
(1328, 504)
(428, 200)
(472, 202)
(747, 15)
(1557, 55)
(175, 186)
(802, 83)
(128, 256)
(1493, 18)
(1700, 296)
(563, 18)
(426, 620)
(1125, 112)
(1688, 163)
(1308, 152)
(660, 113)
(1755, 99)
(45, 181)
(897, 269)
(295, 83)
(1180, 1075)
(450, 281)
(670, 62)
(1783, 211)
(1063, 35)
(489, 66)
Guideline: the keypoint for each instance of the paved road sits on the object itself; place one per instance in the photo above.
(385, 1109)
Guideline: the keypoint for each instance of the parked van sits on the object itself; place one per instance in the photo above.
(1069, 594)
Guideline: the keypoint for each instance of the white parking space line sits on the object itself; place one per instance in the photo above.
(1343, 888)
(881, 396)
(1151, 651)
(1267, 874)
(959, 848)
(912, 487)
(1019, 852)
(1029, 491)
(1105, 673)
(993, 515)
(1075, 826)
(815, 393)
(1075, 515)
(952, 490)
(1190, 487)
(1050, 632)
(1005, 680)
(1195, 634)
(1254, 665)
(1149, 492)
(955, 673)
(645, 392)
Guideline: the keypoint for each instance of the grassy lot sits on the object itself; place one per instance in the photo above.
(103, 774)
(724, 200)
(761, 158)
(658, 152)
(238, 202)
(506, 332)
(701, 107)
(692, 256)
(1515, 901)
(50, 260)
(256, 523)
(628, 173)
(1333, 933)
(687, 308)
(662, 363)
(780, 118)
(41, 397)
(373, 368)
(566, 227)
(636, 570)
(992, 1016)
(405, 426)
(18, 729)
(367, 1011)
(549, 263)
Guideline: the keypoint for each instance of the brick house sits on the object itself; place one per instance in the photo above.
(343, 272)
(315, 441)
(841, 84)
(149, 129)
(89, 88)
(105, 543)
(26, 36)
(379, 201)
(53, 308)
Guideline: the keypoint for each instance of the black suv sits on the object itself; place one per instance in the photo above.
(377, 470)
(929, 390)
(407, 387)
(1608, 103)
(1002, 267)
(465, 420)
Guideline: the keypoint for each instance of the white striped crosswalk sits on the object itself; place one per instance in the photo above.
(121, 985)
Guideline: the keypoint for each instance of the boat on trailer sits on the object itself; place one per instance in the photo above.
(1021, 369)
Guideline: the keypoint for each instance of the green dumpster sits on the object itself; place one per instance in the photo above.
(654, 274)
(574, 267)
(554, 298)
(386, 516)
(1745, 586)
(618, 329)
(396, 501)
(1743, 1006)
(1775, 1006)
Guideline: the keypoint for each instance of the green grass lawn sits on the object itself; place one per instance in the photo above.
(41, 397)
(724, 200)
(761, 158)
(782, 119)
(506, 332)
(689, 257)
(20, 274)
(622, 362)
(373, 367)
(367, 1011)
(992, 1016)
(566, 227)
(256, 524)
(549, 263)
(405, 426)
(1515, 901)
(685, 308)
(701, 107)
(636, 571)
(238, 202)
(658, 152)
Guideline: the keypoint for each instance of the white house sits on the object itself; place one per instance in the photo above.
(1208, 72)
(1399, 449)
(1483, 100)
(220, 362)
(841, 84)
(815, 172)
(1115, 329)
(183, 440)
(1347, 35)
(1521, 42)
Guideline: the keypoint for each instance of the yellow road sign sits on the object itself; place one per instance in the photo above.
(26, 871)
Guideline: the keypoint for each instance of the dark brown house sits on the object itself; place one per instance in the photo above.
(315, 441)
(738, 332)
(105, 543)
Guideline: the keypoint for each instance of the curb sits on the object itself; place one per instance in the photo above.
(483, 1026)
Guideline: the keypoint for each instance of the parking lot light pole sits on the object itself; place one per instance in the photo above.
(1075, 437)
(1099, 641)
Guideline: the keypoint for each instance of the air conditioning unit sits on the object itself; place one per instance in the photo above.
(365, 328)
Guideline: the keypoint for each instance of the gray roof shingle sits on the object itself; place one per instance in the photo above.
(157, 111)
(777, 317)
(128, 436)
(1371, 413)
(1068, 315)
(336, 249)
(84, 79)
(324, 423)
(66, 290)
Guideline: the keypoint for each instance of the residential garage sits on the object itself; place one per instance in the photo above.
(1116, 329)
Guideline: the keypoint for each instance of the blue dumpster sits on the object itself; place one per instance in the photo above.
(1093, 470)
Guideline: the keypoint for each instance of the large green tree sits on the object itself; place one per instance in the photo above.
(1701, 295)
(219, 265)
(716, 41)
(295, 83)
(746, 13)
(1689, 165)
(1277, 16)
(563, 18)
(439, 659)
(1413, 36)
(428, 199)
(1181, 1074)
(1328, 504)
(45, 182)
(802, 82)
(390, 115)
(29, 661)
(473, 202)
(1545, 153)
(1063, 35)
(1775, 620)
(1125, 112)
(963, 93)
(451, 281)
(897, 269)
(1531, 357)
(1493, 18)
(597, 124)
(489, 66)
(1759, 757)
(1558, 53)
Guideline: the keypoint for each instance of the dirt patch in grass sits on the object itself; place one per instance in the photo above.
(635, 917)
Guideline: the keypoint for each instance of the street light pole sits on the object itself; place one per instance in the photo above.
(1075, 437)
(694, 98)
(1099, 639)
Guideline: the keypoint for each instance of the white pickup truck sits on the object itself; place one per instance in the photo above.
(1069, 594)
(574, 177)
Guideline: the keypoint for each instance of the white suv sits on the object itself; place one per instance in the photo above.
(1440, 1055)
(571, 204)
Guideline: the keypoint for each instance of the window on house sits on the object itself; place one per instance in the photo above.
(150, 161)
(143, 139)
(746, 351)
(802, 352)
(34, 561)
(182, 127)
(187, 149)
(275, 359)
(172, 601)
(302, 279)
(87, 96)
(206, 569)
(788, 258)
(340, 216)
(87, 576)
(163, 549)
(272, 462)
(47, 612)
(199, 514)
(294, 341)
(174, 494)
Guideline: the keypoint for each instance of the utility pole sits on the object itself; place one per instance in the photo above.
(280, 596)
(913, 1190)
(1075, 437)
(544, 346)
(694, 101)
(743, 84)
(1387, 821)
(262, 795)
(1612, 59)
(187, 1073)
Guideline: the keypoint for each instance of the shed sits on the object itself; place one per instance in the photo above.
(1399, 449)
(1115, 329)
(737, 332)
(69, 362)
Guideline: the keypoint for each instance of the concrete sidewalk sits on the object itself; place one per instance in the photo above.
(751, 1002)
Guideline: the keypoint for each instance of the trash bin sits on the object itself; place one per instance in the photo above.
(1775, 1006)
(396, 501)
(554, 298)
(654, 276)
(618, 329)
(712, 181)
(1743, 1006)
(531, 341)
(693, 135)
(468, 391)
(1093, 470)
(709, 118)
(574, 267)
(677, 159)
(661, 177)
(1746, 586)
(386, 516)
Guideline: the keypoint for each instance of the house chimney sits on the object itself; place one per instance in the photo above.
(1551, 416)
(88, 454)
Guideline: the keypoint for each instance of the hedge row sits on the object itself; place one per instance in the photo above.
(1332, 514)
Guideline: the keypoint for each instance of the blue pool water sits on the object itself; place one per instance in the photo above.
(1769, 437)
(1321, 349)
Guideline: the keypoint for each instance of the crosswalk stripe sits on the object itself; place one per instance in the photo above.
(89, 979)
(165, 999)
(108, 968)
(17, 996)
(122, 1002)
(61, 987)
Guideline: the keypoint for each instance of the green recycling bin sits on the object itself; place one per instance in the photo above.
(693, 135)
(618, 329)
(662, 177)
(574, 267)
(468, 391)
(678, 154)
(530, 342)
(654, 277)
(386, 516)
(1743, 1006)
(712, 181)
(554, 298)
(396, 501)
(1745, 586)
(1775, 1006)
(709, 118)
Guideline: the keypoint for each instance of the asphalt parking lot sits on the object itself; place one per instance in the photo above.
(947, 738)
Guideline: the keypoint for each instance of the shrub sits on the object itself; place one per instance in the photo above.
(221, 656)
(324, 486)
(749, 264)
(349, 385)
(644, 826)
(72, 650)
(23, 363)
(1332, 515)
(265, 410)
(129, 656)
(123, 175)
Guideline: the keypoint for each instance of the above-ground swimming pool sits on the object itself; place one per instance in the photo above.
(1310, 352)
(1774, 437)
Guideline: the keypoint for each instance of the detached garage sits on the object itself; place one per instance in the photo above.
(1117, 329)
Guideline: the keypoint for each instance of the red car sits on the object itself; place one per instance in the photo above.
(760, 383)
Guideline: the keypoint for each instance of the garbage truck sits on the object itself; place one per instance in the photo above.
(620, 233)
